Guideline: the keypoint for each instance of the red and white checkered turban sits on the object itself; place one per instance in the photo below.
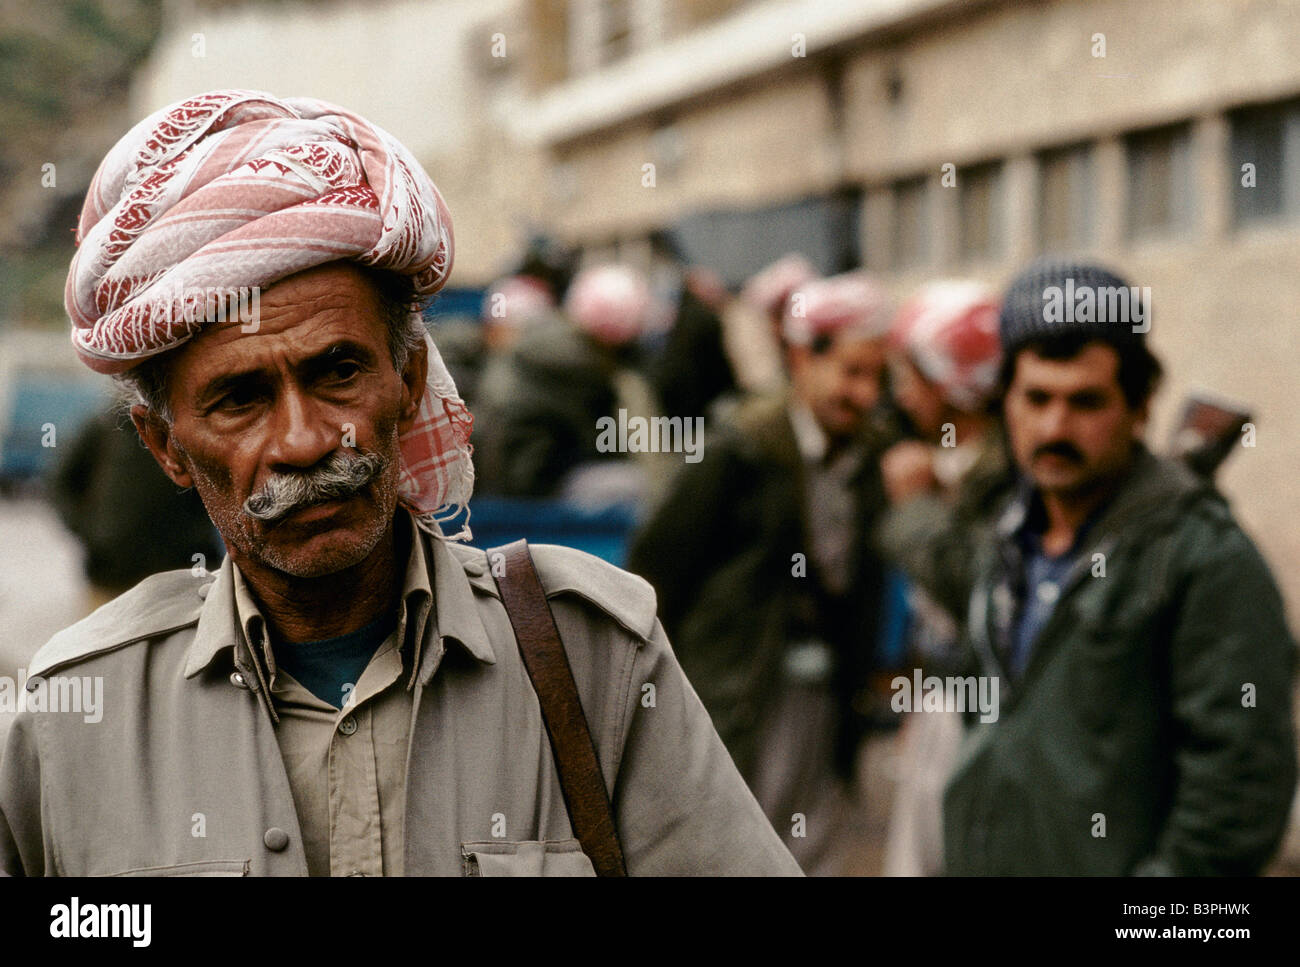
(949, 329)
(770, 289)
(849, 305)
(239, 189)
(611, 302)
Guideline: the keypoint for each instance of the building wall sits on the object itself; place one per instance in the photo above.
(423, 71)
(728, 151)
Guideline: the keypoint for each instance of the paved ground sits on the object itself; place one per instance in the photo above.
(42, 589)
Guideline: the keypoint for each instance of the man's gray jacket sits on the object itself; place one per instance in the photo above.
(182, 735)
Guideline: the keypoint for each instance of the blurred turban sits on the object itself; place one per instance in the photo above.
(239, 189)
(843, 305)
(517, 300)
(770, 289)
(610, 302)
(949, 330)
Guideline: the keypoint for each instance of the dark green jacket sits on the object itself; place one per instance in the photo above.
(931, 537)
(538, 407)
(1155, 707)
(720, 552)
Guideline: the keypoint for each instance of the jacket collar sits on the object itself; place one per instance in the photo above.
(456, 610)
(1151, 488)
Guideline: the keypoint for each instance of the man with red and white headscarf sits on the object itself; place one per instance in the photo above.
(944, 366)
(344, 696)
(752, 323)
(541, 403)
(760, 558)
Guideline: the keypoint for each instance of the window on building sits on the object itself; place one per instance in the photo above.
(615, 26)
(979, 189)
(1267, 138)
(1159, 181)
(1067, 200)
(911, 223)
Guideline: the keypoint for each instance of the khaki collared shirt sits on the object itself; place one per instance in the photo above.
(347, 766)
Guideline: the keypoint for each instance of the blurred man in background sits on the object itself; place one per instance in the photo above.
(471, 346)
(131, 520)
(1137, 635)
(941, 484)
(752, 323)
(764, 575)
(692, 369)
(539, 408)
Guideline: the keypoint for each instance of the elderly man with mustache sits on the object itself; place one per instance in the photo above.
(349, 693)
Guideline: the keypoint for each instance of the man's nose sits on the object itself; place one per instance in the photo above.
(1055, 420)
(864, 394)
(301, 438)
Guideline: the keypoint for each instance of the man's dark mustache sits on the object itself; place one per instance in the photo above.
(1060, 449)
(342, 475)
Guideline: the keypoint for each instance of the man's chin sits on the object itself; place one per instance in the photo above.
(302, 550)
(1069, 485)
(313, 561)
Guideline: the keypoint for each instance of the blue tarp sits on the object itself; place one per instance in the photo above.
(500, 520)
(37, 402)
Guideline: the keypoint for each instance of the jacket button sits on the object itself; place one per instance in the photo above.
(348, 725)
(276, 839)
(237, 679)
(475, 568)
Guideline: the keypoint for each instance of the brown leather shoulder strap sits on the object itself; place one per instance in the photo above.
(590, 813)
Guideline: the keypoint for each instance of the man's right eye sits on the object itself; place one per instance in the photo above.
(238, 398)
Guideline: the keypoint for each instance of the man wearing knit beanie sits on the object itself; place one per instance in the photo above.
(1136, 634)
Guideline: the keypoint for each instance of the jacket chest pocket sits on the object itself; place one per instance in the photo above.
(203, 868)
(561, 857)
(1111, 669)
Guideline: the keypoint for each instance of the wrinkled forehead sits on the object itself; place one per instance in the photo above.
(293, 320)
(1094, 367)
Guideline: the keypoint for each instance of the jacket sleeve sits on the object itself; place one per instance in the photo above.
(680, 803)
(1231, 667)
(685, 536)
(22, 850)
(925, 539)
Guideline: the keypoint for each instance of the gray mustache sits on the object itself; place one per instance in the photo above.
(342, 475)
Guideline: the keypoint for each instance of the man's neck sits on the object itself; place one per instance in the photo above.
(1067, 512)
(313, 609)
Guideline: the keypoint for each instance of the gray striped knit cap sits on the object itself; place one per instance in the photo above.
(1045, 286)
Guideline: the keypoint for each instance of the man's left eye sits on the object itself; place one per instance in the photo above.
(342, 372)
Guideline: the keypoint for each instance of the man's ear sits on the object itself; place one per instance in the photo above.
(414, 377)
(157, 436)
(1141, 417)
